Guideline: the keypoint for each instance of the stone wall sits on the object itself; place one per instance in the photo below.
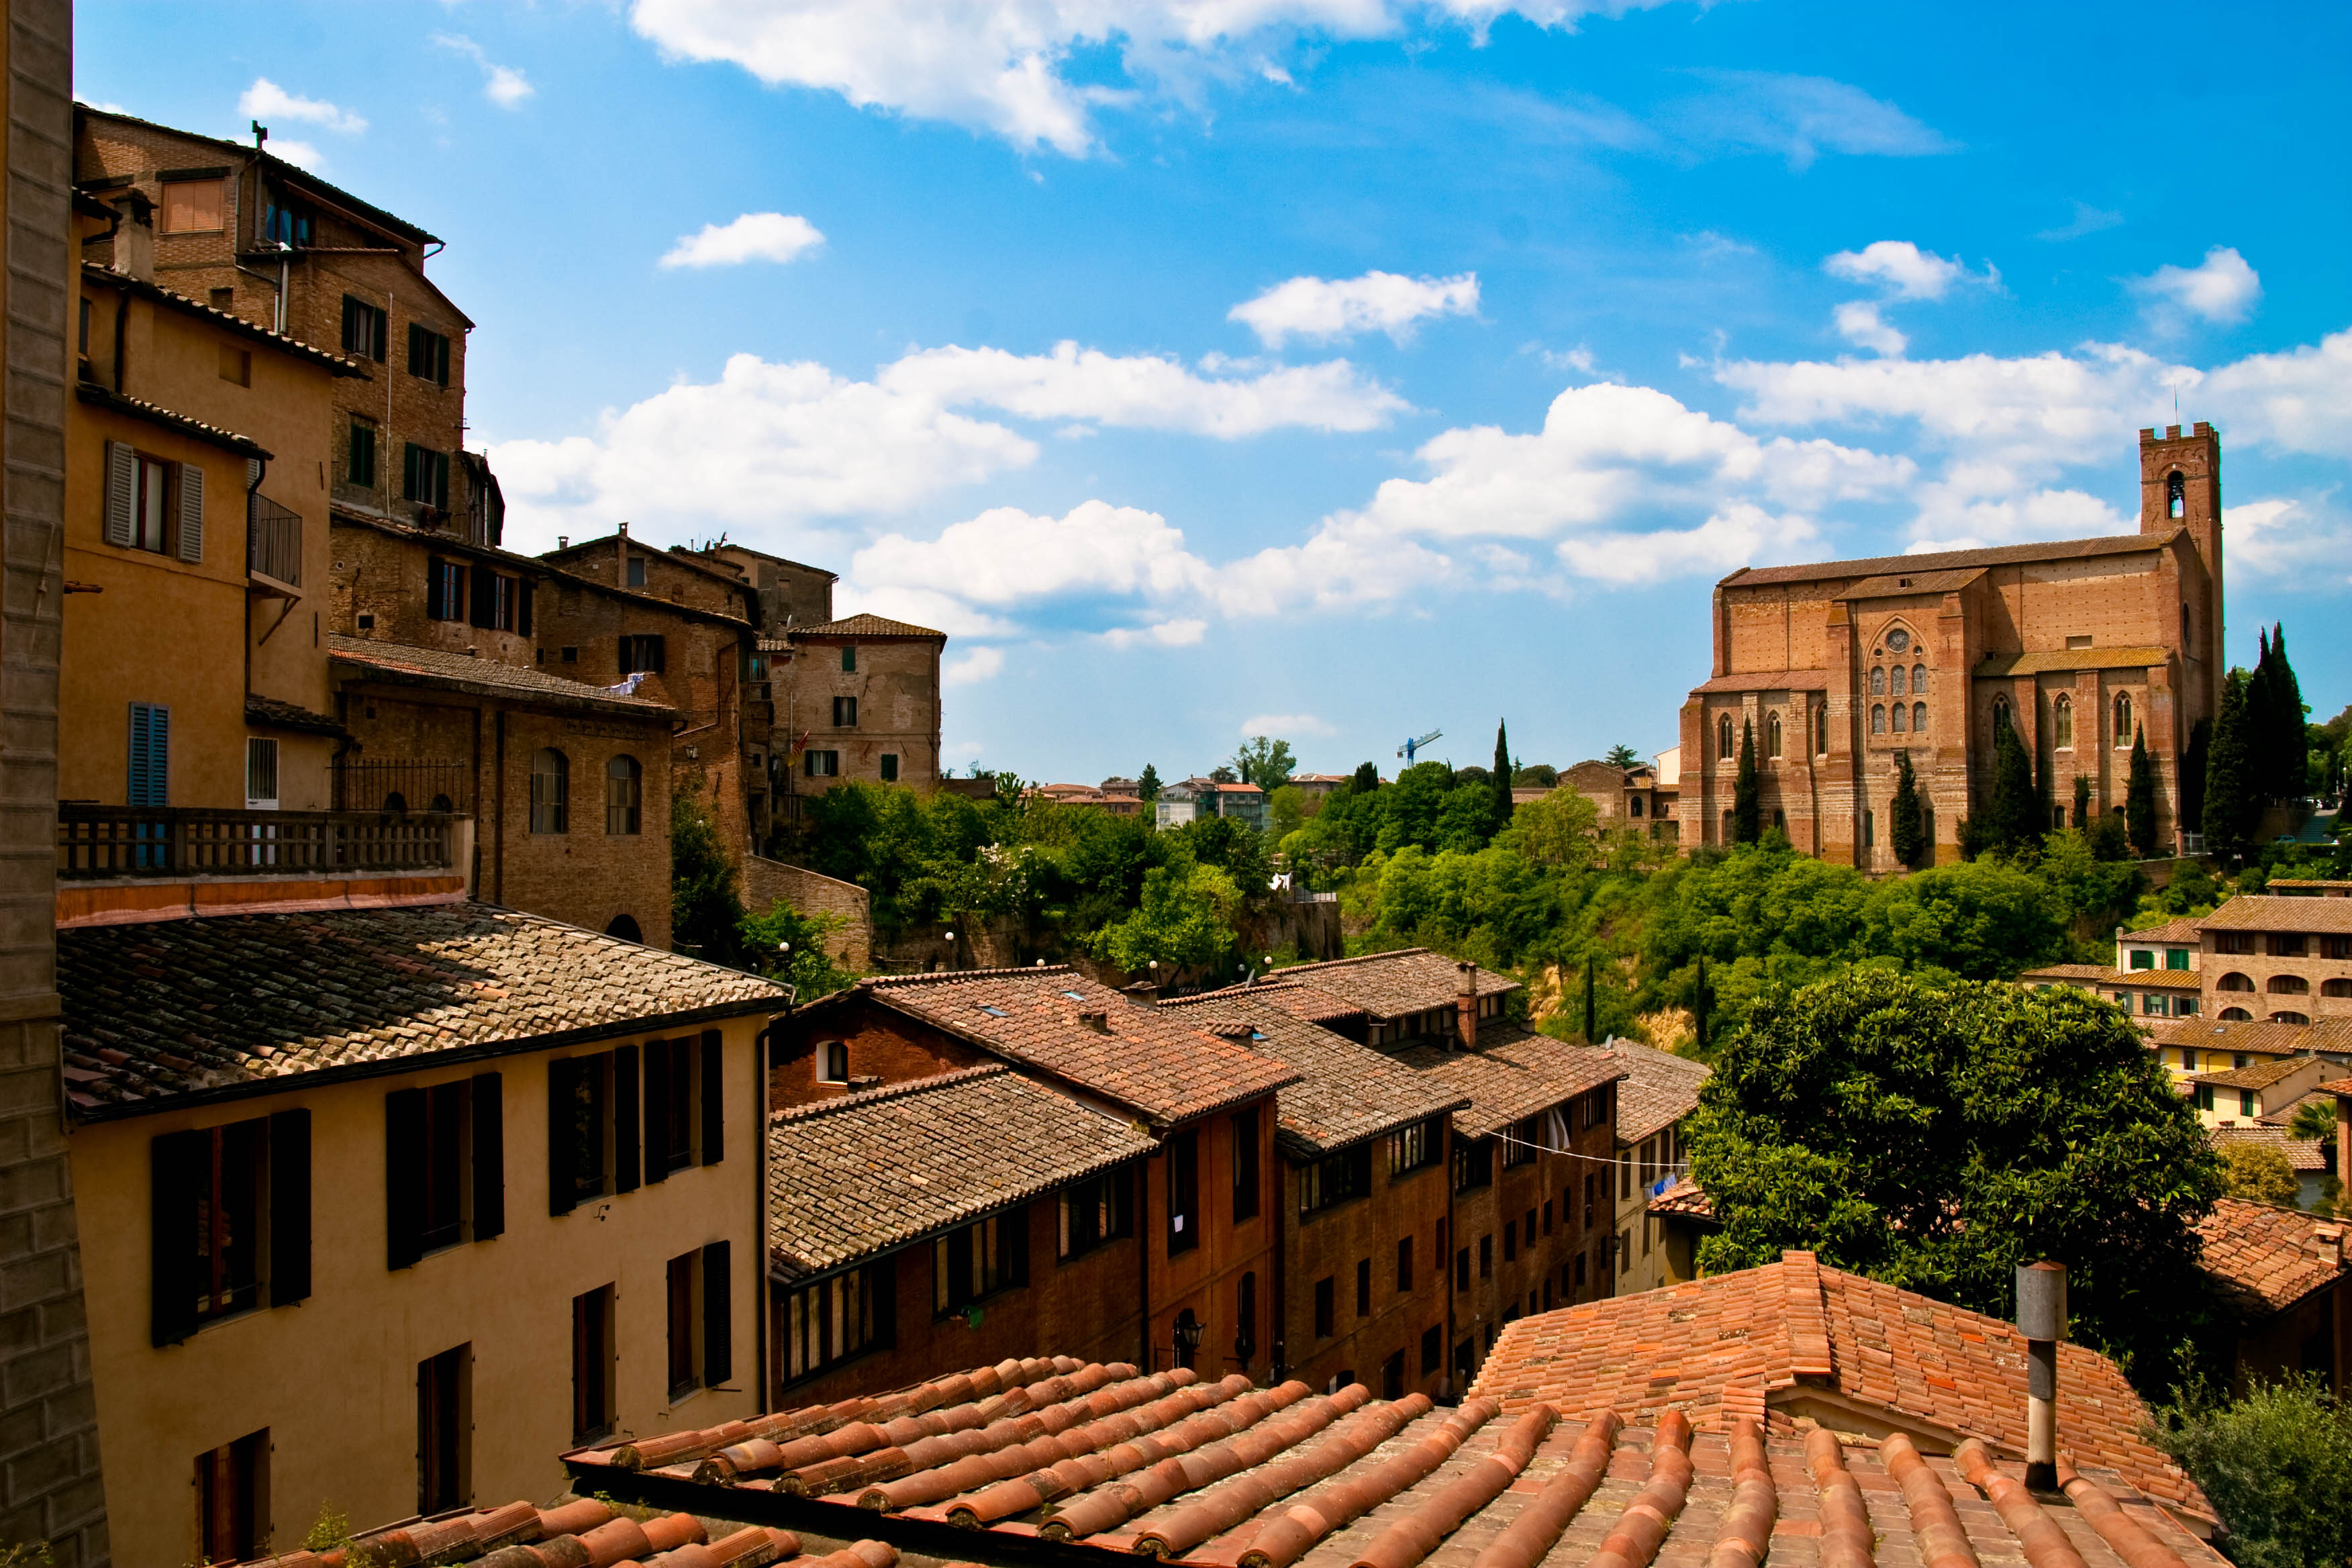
(49, 1488)
(814, 893)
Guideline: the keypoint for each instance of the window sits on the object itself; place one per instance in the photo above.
(1772, 735)
(284, 222)
(1246, 1179)
(702, 1319)
(1722, 738)
(1245, 1318)
(1878, 718)
(1919, 680)
(2246, 1100)
(444, 591)
(2176, 493)
(1918, 718)
(2336, 947)
(1462, 1270)
(428, 354)
(153, 505)
(444, 1167)
(1870, 830)
(1877, 680)
(848, 659)
(2289, 986)
(845, 712)
(1414, 1148)
(592, 1126)
(149, 771)
(2000, 716)
(232, 1495)
(1625, 1251)
(1404, 1265)
(231, 1220)
(2205, 1095)
(1486, 1258)
(1098, 1209)
(1636, 805)
(834, 1320)
(1433, 1349)
(1363, 1286)
(550, 791)
(496, 600)
(366, 336)
(1474, 1163)
(1899, 716)
(591, 1364)
(260, 773)
(625, 796)
(2123, 721)
(358, 462)
(1521, 1140)
(235, 365)
(1334, 1179)
(1510, 1240)
(1183, 1192)
(832, 1061)
(2186, 1006)
(642, 652)
(889, 767)
(444, 1389)
(1820, 731)
(2142, 958)
(1326, 1310)
(633, 570)
(2234, 1016)
(2153, 1005)
(424, 476)
(2336, 988)
(821, 765)
(2289, 944)
(2233, 982)
(1895, 680)
(2234, 941)
(195, 206)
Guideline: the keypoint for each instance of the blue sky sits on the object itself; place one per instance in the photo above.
(1346, 368)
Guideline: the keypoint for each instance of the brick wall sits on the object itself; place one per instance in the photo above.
(49, 1488)
(897, 689)
(812, 893)
(886, 1046)
(1523, 1275)
(1332, 1245)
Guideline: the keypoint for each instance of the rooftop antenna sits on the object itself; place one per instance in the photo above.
(261, 133)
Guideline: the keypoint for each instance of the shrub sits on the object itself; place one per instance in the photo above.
(2277, 1463)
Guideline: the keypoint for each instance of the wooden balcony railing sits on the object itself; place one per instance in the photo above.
(95, 841)
(273, 539)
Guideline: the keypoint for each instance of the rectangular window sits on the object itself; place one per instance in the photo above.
(2142, 958)
(1869, 830)
(975, 1261)
(428, 354)
(231, 1220)
(1246, 1178)
(1404, 1264)
(1098, 1209)
(1183, 1192)
(1547, 1217)
(444, 1167)
(1393, 1376)
(822, 765)
(154, 513)
(1521, 1142)
(646, 652)
(682, 1104)
(444, 1423)
(1462, 1270)
(827, 1323)
(1334, 1179)
(2289, 944)
(444, 591)
(702, 1319)
(2185, 1007)
(195, 206)
(2153, 1005)
(2205, 1096)
(424, 476)
(1486, 1258)
(364, 329)
(235, 365)
(889, 767)
(1415, 1148)
(591, 1364)
(592, 1134)
(233, 1496)
(2234, 941)
(845, 712)
(1327, 1310)
(2246, 1102)
(1510, 1240)
(632, 571)
(832, 1061)
(260, 773)
(2335, 947)
(149, 772)
(1363, 1286)
(1474, 1163)
(849, 658)
(1433, 1349)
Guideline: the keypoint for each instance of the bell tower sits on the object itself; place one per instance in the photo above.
(2180, 487)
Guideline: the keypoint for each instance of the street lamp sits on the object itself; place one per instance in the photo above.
(952, 950)
(1188, 1338)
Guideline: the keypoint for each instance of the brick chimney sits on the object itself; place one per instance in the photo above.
(1466, 1005)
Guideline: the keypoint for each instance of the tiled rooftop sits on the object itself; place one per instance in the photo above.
(2332, 887)
(2261, 1039)
(1042, 1462)
(2302, 1155)
(1685, 1200)
(2267, 911)
(185, 1007)
(1393, 984)
(1150, 1060)
(2254, 1075)
(1768, 681)
(2053, 659)
(2101, 974)
(1947, 560)
(1513, 1073)
(870, 1172)
(583, 1530)
(2269, 1259)
(861, 627)
(1312, 1004)
(1346, 1093)
(1659, 1090)
(441, 666)
(2181, 932)
(1737, 1345)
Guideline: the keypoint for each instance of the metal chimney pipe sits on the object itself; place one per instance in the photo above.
(2042, 1320)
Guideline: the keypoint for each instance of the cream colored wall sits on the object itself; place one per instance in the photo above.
(334, 1377)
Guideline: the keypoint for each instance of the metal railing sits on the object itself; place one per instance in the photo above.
(273, 539)
(398, 785)
(98, 841)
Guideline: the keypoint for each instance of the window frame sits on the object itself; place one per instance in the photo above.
(839, 1318)
(1108, 1199)
(625, 796)
(433, 349)
(550, 791)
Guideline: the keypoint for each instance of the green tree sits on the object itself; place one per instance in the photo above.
(2011, 819)
(2228, 782)
(2195, 758)
(1185, 923)
(2260, 1173)
(2313, 1118)
(2140, 798)
(1746, 806)
(1536, 775)
(2277, 1463)
(1147, 784)
(1285, 808)
(1907, 830)
(1221, 774)
(1936, 1138)
(2290, 760)
(1562, 830)
(1622, 756)
(1367, 778)
(1265, 763)
(2081, 818)
(1985, 919)
(790, 946)
(706, 910)
(1500, 784)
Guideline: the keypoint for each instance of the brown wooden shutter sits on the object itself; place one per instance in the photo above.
(657, 1150)
(714, 1098)
(523, 611)
(290, 1207)
(489, 1157)
(718, 1316)
(624, 1119)
(122, 493)
(562, 1181)
(404, 1178)
(181, 1178)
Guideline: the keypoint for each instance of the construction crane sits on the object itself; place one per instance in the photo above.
(1409, 747)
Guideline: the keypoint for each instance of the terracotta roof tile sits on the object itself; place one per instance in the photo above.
(2182, 931)
(1768, 680)
(1512, 1075)
(2254, 1075)
(1948, 560)
(871, 1171)
(277, 713)
(1659, 1090)
(585, 1531)
(2259, 1037)
(1393, 984)
(1684, 1200)
(2049, 659)
(2302, 1154)
(2266, 1259)
(1310, 1004)
(177, 1007)
(860, 626)
(1346, 1093)
(2325, 884)
(442, 666)
(2102, 975)
(2265, 912)
(1151, 1061)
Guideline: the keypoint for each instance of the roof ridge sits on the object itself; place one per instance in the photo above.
(943, 976)
(865, 1097)
(1806, 1320)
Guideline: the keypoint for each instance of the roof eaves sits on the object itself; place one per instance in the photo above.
(155, 414)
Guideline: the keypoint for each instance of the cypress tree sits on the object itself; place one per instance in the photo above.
(2193, 774)
(2011, 820)
(1366, 779)
(1747, 808)
(1589, 1038)
(2292, 746)
(1502, 781)
(2082, 803)
(1698, 1005)
(2140, 798)
(2228, 796)
(2261, 730)
(1905, 831)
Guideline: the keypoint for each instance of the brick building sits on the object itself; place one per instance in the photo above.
(2081, 645)
(791, 592)
(2285, 1289)
(854, 699)
(1658, 1093)
(2287, 959)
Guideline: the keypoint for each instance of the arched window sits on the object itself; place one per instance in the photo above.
(1900, 717)
(2233, 982)
(626, 927)
(1918, 680)
(2000, 716)
(2123, 721)
(2176, 494)
(2184, 624)
(2289, 986)
(2235, 1015)
(1821, 732)
(1636, 803)
(1877, 681)
(1878, 718)
(396, 804)
(2290, 1018)
(1722, 738)
(1772, 733)
(1918, 718)
(624, 795)
(2336, 988)
(1895, 680)
(1726, 828)
(2062, 723)
(550, 791)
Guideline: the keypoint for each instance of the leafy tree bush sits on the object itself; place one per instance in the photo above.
(1622, 756)
(807, 966)
(1500, 783)
(1936, 1138)
(1537, 776)
(706, 910)
(2276, 1463)
(2313, 1118)
(1184, 922)
(2259, 1171)
(2082, 817)
(2012, 819)
(1147, 784)
(1264, 762)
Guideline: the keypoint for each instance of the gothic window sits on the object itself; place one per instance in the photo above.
(1918, 718)
(1896, 681)
(1772, 735)
(1898, 639)
(1901, 718)
(1821, 732)
(2062, 723)
(2122, 720)
(2000, 716)
(1878, 718)
(2176, 495)
(1722, 738)
(1918, 680)
(1877, 681)
(2184, 626)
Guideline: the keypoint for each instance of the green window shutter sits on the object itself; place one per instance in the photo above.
(290, 1207)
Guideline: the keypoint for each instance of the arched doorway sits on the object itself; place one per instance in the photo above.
(626, 927)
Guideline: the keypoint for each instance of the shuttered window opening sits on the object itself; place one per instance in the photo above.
(445, 590)
(230, 1220)
(424, 476)
(445, 1177)
(591, 1134)
(833, 1320)
(498, 601)
(822, 765)
(684, 1104)
(358, 467)
(701, 1318)
(591, 1364)
(149, 775)
(975, 1261)
(428, 354)
(1183, 1192)
(445, 1421)
(153, 505)
(260, 773)
(550, 791)
(645, 652)
(1098, 1209)
(364, 328)
(845, 712)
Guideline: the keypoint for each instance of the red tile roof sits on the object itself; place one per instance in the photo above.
(1740, 1344)
(586, 1529)
(1393, 984)
(1948, 560)
(1513, 1074)
(2302, 1153)
(1684, 1200)
(1152, 1061)
(2254, 1075)
(861, 628)
(1659, 1090)
(2100, 974)
(2181, 932)
(2269, 1259)
(2264, 911)
(2258, 1037)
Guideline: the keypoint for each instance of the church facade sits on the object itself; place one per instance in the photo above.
(1841, 667)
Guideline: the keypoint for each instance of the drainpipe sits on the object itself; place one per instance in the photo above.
(1277, 1368)
(1143, 1261)
(498, 788)
(2042, 1320)
(258, 467)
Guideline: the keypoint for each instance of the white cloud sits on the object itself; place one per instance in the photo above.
(1798, 118)
(266, 101)
(1903, 271)
(1858, 322)
(2087, 219)
(1148, 391)
(503, 85)
(2222, 288)
(2298, 401)
(970, 667)
(1377, 302)
(755, 236)
(1002, 66)
(1732, 538)
(302, 155)
(1006, 557)
(1284, 724)
(1181, 633)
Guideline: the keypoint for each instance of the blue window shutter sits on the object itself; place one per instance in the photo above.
(151, 755)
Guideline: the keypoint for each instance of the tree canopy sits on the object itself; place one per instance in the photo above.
(1621, 755)
(1267, 763)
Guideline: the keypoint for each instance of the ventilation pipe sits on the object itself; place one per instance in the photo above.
(2042, 1320)
(1466, 1005)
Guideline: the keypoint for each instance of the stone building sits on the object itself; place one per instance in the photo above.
(791, 594)
(854, 699)
(2081, 645)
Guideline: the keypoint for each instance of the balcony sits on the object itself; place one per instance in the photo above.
(98, 843)
(273, 541)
